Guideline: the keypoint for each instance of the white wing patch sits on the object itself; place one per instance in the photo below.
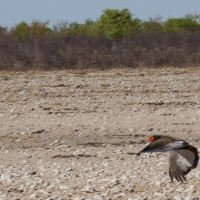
(180, 161)
(183, 163)
(179, 141)
(175, 145)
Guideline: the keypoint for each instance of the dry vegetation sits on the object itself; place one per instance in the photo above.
(84, 52)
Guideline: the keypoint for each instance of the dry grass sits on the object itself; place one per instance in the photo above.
(83, 54)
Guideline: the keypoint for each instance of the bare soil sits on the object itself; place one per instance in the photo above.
(74, 134)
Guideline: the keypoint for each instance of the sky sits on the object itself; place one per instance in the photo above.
(57, 11)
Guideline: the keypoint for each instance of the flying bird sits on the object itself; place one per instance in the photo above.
(183, 156)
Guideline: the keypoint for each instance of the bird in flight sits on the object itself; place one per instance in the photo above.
(183, 156)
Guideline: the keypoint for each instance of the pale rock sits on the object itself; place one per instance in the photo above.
(6, 177)
(33, 196)
(119, 151)
(78, 153)
(157, 183)
(63, 187)
(79, 198)
(115, 190)
(121, 195)
(124, 178)
(179, 189)
(182, 198)
(89, 189)
(158, 194)
(131, 185)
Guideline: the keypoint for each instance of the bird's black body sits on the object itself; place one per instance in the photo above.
(183, 156)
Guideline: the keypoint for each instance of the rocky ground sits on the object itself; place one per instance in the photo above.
(73, 135)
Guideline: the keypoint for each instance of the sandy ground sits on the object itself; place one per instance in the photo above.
(73, 135)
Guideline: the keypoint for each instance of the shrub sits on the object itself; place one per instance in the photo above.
(21, 31)
(116, 24)
(38, 30)
(181, 24)
(3, 30)
(153, 25)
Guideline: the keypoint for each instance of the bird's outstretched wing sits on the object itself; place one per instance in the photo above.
(163, 144)
(182, 161)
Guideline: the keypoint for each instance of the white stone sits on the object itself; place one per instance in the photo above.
(79, 152)
(115, 190)
(89, 189)
(6, 177)
(63, 187)
(33, 196)
(179, 189)
(157, 183)
(78, 198)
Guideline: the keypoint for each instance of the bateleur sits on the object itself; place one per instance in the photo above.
(183, 156)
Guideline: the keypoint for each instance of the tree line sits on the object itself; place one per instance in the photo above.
(113, 23)
(116, 39)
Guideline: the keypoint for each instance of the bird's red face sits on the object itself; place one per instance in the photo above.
(151, 139)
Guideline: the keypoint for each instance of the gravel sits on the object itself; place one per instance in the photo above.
(73, 135)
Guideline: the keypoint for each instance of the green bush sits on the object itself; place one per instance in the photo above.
(21, 31)
(3, 30)
(74, 28)
(38, 30)
(116, 24)
(181, 24)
